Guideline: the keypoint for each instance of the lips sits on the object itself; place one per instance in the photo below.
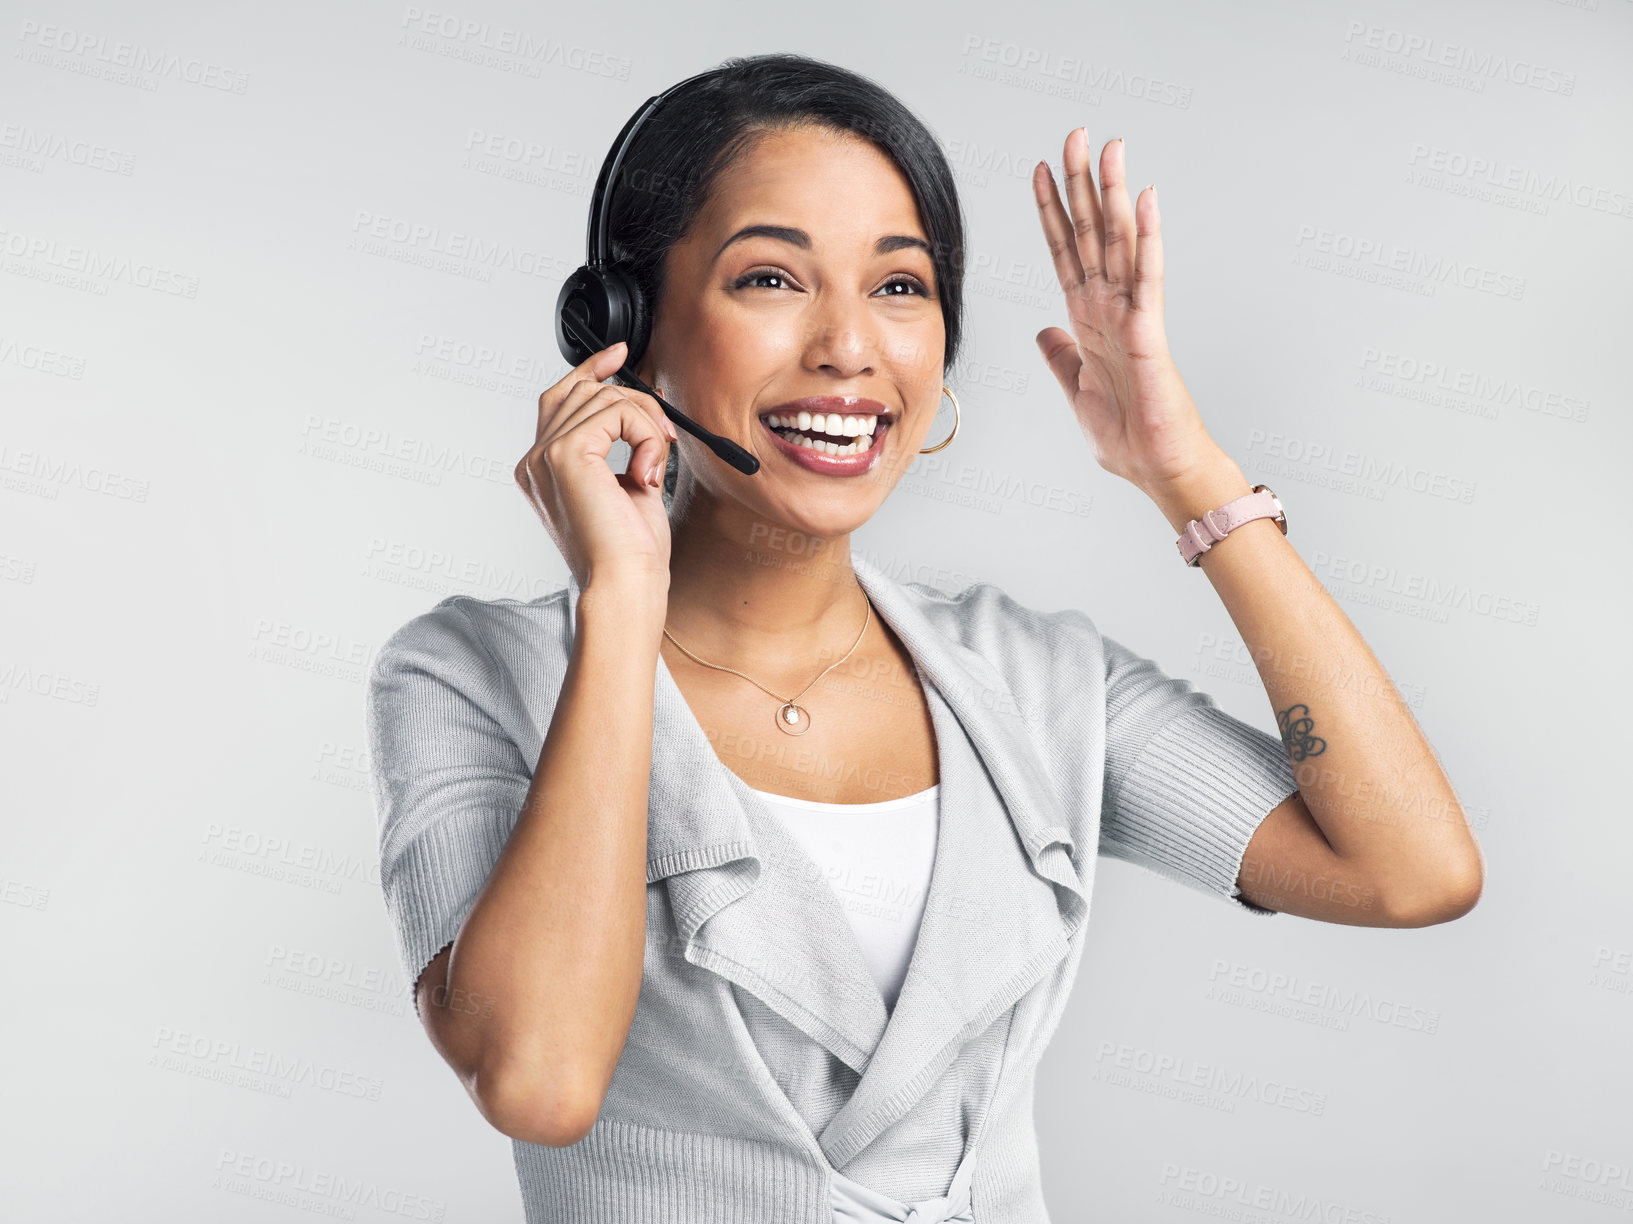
(835, 435)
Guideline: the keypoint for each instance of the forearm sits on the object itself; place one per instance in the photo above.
(1364, 770)
(555, 941)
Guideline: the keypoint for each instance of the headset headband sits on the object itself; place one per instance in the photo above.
(596, 244)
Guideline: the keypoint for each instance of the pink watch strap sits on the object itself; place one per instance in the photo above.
(1203, 533)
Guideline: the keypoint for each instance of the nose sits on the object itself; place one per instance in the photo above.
(844, 341)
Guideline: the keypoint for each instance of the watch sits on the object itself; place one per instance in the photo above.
(1203, 533)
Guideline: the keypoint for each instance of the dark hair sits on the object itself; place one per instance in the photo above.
(700, 132)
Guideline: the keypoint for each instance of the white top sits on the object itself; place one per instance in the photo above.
(878, 858)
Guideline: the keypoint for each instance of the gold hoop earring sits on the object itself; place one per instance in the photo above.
(958, 419)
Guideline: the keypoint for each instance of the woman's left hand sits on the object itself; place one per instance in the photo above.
(1114, 364)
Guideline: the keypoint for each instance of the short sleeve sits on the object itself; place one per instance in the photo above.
(1186, 783)
(448, 782)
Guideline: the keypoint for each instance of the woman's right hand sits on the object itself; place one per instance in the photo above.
(606, 524)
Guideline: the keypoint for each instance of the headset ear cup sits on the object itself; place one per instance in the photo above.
(583, 295)
(609, 302)
(629, 309)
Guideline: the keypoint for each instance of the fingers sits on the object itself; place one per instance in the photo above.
(648, 460)
(581, 398)
(1058, 230)
(597, 366)
(1084, 201)
(1103, 236)
(1118, 215)
(585, 397)
(557, 405)
(609, 414)
(1148, 253)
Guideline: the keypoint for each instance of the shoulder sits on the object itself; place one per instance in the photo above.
(464, 633)
(1010, 633)
(1052, 662)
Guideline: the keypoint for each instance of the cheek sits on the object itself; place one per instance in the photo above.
(736, 353)
(915, 348)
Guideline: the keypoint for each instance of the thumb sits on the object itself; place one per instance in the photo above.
(1060, 351)
(608, 361)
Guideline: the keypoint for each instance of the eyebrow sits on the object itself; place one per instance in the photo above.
(799, 238)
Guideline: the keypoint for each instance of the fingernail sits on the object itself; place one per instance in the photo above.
(653, 478)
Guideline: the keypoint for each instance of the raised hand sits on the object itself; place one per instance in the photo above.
(1114, 364)
(609, 526)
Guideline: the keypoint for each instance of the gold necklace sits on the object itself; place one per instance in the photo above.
(790, 718)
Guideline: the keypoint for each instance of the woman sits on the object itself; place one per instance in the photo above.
(741, 882)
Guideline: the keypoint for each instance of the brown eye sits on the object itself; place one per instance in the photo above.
(748, 278)
(913, 283)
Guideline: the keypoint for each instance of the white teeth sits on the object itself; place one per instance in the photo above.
(860, 430)
(859, 445)
(834, 424)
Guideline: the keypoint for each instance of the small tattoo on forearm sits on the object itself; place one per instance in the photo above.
(1296, 727)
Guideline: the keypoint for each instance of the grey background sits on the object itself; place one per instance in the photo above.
(242, 440)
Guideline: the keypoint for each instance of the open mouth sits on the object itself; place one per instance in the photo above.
(834, 434)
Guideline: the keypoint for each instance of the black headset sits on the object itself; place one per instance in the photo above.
(600, 303)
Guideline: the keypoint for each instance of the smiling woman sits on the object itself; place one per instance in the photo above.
(700, 971)
(808, 123)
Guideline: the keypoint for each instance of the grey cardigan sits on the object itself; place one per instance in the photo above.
(761, 1057)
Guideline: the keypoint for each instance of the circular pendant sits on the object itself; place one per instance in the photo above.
(793, 719)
